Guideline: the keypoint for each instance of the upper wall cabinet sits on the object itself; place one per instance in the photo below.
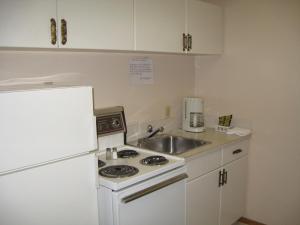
(159, 25)
(96, 24)
(190, 26)
(204, 27)
(175, 26)
(91, 24)
(27, 23)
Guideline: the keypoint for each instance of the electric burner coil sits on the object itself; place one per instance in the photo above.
(118, 171)
(101, 163)
(154, 160)
(127, 153)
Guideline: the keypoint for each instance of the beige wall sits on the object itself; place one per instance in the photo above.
(108, 74)
(258, 80)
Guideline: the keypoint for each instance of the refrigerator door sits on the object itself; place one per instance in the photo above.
(61, 193)
(42, 125)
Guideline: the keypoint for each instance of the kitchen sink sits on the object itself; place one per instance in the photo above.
(170, 144)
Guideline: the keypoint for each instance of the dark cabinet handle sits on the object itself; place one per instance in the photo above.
(53, 31)
(237, 151)
(184, 41)
(220, 178)
(224, 177)
(189, 46)
(63, 31)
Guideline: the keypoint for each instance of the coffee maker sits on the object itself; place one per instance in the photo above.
(192, 116)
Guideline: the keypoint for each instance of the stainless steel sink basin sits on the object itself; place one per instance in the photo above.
(170, 144)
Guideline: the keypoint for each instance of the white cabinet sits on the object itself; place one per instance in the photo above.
(92, 24)
(142, 25)
(217, 194)
(159, 25)
(205, 25)
(26, 23)
(162, 25)
(234, 192)
(97, 24)
(203, 200)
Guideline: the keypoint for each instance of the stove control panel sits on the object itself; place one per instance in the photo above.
(110, 121)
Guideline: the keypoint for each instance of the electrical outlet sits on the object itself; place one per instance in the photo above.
(168, 111)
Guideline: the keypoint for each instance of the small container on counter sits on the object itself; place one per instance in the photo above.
(109, 154)
(114, 153)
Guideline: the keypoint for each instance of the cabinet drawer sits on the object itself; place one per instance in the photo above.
(235, 151)
(204, 164)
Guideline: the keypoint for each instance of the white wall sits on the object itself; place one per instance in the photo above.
(258, 80)
(108, 74)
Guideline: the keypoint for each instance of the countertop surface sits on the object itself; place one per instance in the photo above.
(216, 139)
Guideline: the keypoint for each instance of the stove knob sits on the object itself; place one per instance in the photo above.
(116, 123)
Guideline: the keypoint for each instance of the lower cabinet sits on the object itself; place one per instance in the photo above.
(234, 192)
(203, 200)
(218, 197)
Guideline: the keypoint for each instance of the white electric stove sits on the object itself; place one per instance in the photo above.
(133, 166)
(140, 186)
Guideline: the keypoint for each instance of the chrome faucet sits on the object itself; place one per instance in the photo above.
(153, 133)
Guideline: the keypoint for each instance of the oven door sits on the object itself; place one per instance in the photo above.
(160, 200)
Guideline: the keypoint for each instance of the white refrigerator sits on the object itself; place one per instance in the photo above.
(48, 167)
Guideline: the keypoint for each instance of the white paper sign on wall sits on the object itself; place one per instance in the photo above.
(141, 70)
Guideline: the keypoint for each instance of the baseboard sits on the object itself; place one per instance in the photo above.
(249, 222)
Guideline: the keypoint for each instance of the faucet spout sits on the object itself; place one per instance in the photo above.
(160, 129)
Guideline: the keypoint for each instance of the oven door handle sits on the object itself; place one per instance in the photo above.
(153, 188)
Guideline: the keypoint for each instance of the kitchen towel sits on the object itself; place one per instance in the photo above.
(239, 131)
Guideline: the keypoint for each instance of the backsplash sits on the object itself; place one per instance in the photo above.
(136, 130)
(109, 74)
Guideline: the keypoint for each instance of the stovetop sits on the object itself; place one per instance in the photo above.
(141, 166)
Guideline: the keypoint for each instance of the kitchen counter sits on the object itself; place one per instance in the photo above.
(217, 139)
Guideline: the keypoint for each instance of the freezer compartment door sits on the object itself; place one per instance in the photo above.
(45, 124)
(60, 193)
(152, 203)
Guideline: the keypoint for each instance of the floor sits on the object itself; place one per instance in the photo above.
(245, 221)
(248, 223)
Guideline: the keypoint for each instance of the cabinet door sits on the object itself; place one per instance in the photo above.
(205, 24)
(26, 23)
(159, 25)
(203, 200)
(234, 192)
(97, 24)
